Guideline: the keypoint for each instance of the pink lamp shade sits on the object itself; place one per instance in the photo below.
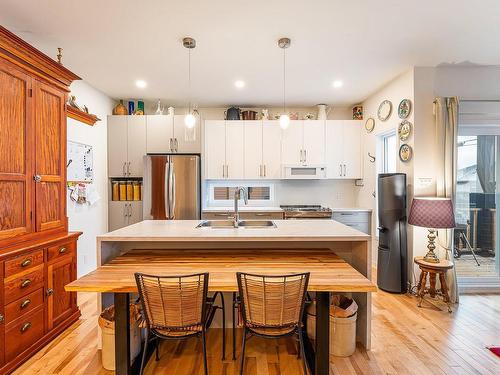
(432, 213)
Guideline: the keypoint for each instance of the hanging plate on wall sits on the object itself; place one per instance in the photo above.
(384, 110)
(404, 130)
(404, 108)
(369, 125)
(405, 152)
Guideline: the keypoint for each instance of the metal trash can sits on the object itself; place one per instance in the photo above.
(107, 324)
(343, 315)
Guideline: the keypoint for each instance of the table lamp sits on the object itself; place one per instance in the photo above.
(432, 213)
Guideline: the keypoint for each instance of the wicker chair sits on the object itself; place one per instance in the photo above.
(177, 307)
(272, 307)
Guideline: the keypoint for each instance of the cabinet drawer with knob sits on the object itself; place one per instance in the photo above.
(23, 332)
(23, 262)
(23, 305)
(56, 252)
(23, 284)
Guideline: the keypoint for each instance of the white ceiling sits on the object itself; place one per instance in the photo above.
(364, 43)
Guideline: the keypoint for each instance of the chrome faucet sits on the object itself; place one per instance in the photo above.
(237, 197)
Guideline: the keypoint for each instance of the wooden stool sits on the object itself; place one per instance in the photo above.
(433, 269)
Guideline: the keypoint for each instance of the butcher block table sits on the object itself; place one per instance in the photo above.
(337, 257)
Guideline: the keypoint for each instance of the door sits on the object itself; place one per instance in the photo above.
(292, 143)
(136, 145)
(50, 157)
(159, 134)
(352, 150)
(215, 149)
(334, 148)
(117, 215)
(117, 146)
(253, 150)
(185, 190)
(235, 146)
(16, 143)
(60, 304)
(187, 141)
(314, 142)
(271, 149)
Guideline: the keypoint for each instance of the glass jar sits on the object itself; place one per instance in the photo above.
(137, 190)
(130, 191)
(115, 190)
(123, 190)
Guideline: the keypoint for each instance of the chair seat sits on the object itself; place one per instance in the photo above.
(179, 333)
(271, 331)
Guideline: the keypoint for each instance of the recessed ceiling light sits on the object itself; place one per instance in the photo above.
(239, 84)
(337, 84)
(141, 83)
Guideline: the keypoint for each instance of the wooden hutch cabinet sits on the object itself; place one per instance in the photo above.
(37, 254)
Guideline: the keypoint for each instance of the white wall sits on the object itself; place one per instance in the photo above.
(91, 220)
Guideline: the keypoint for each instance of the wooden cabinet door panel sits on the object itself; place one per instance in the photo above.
(60, 304)
(16, 141)
(50, 157)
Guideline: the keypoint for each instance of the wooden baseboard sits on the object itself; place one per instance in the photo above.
(46, 339)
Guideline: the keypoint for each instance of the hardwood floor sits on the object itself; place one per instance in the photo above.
(406, 340)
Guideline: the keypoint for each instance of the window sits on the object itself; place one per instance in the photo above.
(221, 193)
(389, 153)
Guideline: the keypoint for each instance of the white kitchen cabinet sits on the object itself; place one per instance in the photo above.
(235, 143)
(168, 134)
(215, 149)
(253, 150)
(126, 145)
(304, 143)
(343, 149)
(186, 141)
(271, 149)
(160, 134)
(123, 213)
(292, 142)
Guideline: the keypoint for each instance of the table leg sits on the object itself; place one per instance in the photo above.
(322, 366)
(432, 284)
(444, 289)
(422, 285)
(122, 334)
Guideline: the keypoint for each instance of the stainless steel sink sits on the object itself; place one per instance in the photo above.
(227, 224)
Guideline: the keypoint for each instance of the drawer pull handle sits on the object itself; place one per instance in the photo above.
(25, 303)
(26, 262)
(261, 214)
(1, 318)
(50, 292)
(25, 283)
(25, 327)
(62, 250)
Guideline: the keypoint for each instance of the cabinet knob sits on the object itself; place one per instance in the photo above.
(25, 303)
(26, 262)
(25, 327)
(25, 283)
(62, 250)
(1, 318)
(50, 292)
(37, 178)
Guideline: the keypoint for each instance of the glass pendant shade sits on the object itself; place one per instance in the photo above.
(284, 121)
(190, 121)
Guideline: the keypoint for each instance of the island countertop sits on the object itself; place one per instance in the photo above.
(186, 231)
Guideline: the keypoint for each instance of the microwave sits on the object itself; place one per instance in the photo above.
(304, 172)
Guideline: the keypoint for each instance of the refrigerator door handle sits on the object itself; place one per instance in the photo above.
(167, 188)
(172, 191)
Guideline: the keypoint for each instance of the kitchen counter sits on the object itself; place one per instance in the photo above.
(351, 209)
(241, 208)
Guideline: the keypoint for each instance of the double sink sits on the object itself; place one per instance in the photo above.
(227, 224)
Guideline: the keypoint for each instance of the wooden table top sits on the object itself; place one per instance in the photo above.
(443, 263)
(328, 271)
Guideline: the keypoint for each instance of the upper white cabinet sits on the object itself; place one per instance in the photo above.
(303, 143)
(126, 145)
(262, 150)
(168, 134)
(215, 149)
(343, 150)
(253, 150)
(235, 141)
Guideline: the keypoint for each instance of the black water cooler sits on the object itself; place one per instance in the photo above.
(392, 266)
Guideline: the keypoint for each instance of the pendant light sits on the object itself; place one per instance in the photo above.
(284, 43)
(189, 119)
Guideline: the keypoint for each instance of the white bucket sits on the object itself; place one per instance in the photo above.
(342, 334)
(108, 345)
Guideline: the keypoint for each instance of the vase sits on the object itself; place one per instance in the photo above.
(120, 109)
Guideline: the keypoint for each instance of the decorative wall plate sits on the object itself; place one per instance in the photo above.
(405, 152)
(404, 130)
(384, 110)
(404, 108)
(369, 125)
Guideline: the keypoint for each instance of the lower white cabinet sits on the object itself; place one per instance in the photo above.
(359, 220)
(123, 213)
(343, 149)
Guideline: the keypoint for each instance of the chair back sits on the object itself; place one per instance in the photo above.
(272, 301)
(173, 302)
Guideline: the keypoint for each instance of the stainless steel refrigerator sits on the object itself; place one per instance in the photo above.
(172, 188)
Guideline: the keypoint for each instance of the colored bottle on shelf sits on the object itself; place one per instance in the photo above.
(131, 107)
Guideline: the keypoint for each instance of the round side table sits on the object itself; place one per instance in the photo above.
(433, 270)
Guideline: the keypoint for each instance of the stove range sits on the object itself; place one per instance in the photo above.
(306, 212)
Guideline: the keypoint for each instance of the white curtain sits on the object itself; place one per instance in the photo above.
(446, 119)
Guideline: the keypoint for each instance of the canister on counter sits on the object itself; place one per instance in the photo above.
(137, 190)
(130, 191)
(115, 190)
(123, 190)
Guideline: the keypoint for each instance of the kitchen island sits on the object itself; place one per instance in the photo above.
(338, 257)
